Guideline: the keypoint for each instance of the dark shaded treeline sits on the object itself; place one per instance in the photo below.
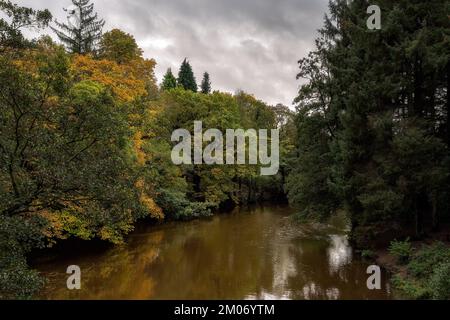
(373, 120)
(373, 134)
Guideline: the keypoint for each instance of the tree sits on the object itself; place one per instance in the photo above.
(372, 120)
(20, 17)
(127, 82)
(119, 46)
(18, 235)
(169, 81)
(51, 145)
(308, 183)
(56, 136)
(206, 84)
(186, 77)
(81, 35)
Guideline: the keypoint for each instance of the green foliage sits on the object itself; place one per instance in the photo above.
(186, 78)
(85, 143)
(368, 254)
(178, 207)
(173, 202)
(440, 282)
(73, 140)
(426, 259)
(169, 81)
(310, 184)
(84, 38)
(310, 172)
(17, 237)
(372, 122)
(402, 250)
(118, 46)
(18, 18)
(196, 210)
(428, 274)
(218, 184)
(56, 136)
(206, 84)
(411, 289)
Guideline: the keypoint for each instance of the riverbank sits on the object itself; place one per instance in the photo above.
(420, 269)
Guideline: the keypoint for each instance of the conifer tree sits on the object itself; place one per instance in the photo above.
(81, 35)
(186, 77)
(206, 84)
(372, 126)
(169, 81)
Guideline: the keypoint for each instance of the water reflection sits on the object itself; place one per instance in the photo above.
(339, 253)
(251, 254)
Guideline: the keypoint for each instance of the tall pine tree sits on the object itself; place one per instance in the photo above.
(186, 77)
(80, 37)
(372, 120)
(206, 83)
(169, 81)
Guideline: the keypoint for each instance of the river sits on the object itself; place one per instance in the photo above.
(257, 253)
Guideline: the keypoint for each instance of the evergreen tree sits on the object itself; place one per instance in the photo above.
(186, 77)
(373, 119)
(81, 35)
(206, 83)
(169, 81)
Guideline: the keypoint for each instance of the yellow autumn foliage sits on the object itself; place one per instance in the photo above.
(62, 225)
(127, 82)
(140, 154)
(155, 211)
(148, 202)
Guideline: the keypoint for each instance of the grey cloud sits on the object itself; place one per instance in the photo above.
(253, 45)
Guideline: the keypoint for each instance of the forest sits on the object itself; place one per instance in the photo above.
(85, 138)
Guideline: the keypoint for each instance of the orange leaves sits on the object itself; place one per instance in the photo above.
(127, 82)
(154, 210)
(149, 203)
(55, 228)
(140, 154)
(143, 69)
(64, 224)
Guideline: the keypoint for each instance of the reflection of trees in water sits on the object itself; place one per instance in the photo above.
(326, 271)
(311, 263)
(201, 271)
(117, 274)
(339, 253)
(257, 255)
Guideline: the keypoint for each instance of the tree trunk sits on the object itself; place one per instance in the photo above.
(419, 220)
(434, 215)
(418, 89)
(249, 196)
(448, 104)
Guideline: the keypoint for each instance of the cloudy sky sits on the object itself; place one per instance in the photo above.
(253, 45)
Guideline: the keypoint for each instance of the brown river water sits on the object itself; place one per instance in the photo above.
(256, 253)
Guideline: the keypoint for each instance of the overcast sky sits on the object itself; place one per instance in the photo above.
(253, 45)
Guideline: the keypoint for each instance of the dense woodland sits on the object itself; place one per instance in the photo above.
(373, 127)
(373, 121)
(85, 135)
